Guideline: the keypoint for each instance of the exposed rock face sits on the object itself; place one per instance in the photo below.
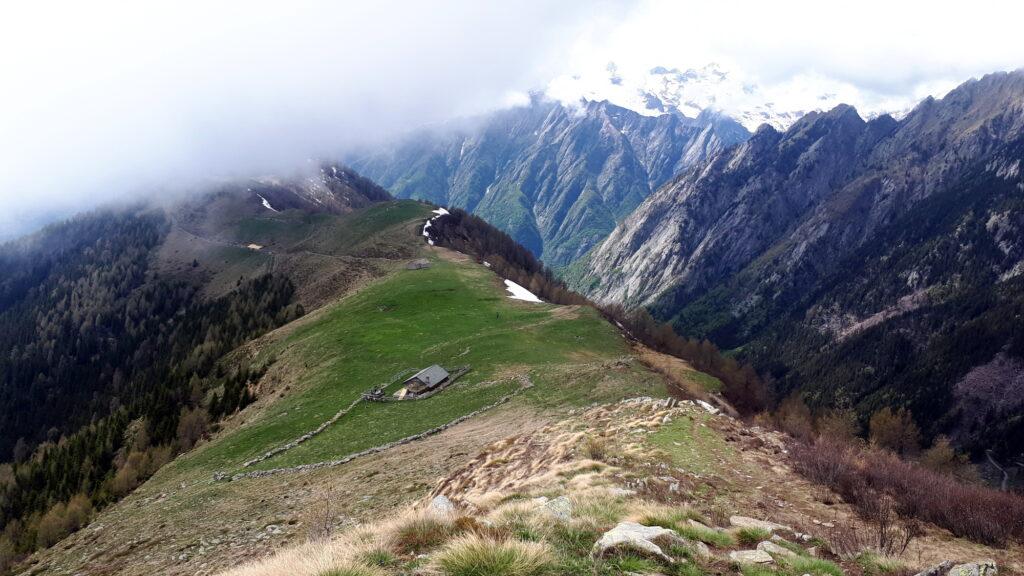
(557, 179)
(745, 522)
(716, 218)
(442, 506)
(831, 250)
(810, 194)
(773, 548)
(751, 557)
(982, 568)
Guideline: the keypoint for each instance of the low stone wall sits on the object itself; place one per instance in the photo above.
(368, 451)
(303, 438)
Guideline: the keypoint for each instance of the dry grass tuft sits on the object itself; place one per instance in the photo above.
(473, 555)
(419, 533)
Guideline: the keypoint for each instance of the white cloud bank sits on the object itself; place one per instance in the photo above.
(102, 100)
(878, 55)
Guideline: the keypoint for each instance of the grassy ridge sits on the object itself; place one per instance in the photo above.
(454, 313)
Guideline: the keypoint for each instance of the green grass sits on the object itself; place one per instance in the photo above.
(475, 556)
(709, 536)
(327, 233)
(705, 381)
(679, 521)
(878, 565)
(813, 566)
(792, 547)
(758, 570)
(451, 314)
(752, 536)
(689, 445)
(633, 563)
(379, 557)
(793, 567)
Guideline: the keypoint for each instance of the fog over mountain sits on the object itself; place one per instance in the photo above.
(111, 101)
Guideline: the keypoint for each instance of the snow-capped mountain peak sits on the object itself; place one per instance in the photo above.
(661, 90)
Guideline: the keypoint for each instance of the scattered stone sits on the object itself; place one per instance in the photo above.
(773, 548)
(981, 568)
(418, 264)
(937, 570)
(699, 548)
(751, 557)
(745, 522)
(699, 525)
(638, 537)
(560, 508)
(442, 506)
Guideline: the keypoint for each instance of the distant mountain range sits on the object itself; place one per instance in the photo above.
(865, 262)
(690, 92)
(556, 178)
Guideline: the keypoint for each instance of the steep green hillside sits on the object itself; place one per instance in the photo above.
(455, 313)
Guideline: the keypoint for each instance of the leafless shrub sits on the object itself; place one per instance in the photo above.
(864, 478)
(320, 519)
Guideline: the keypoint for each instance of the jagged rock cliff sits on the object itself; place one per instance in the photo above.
(864, 263)
(556, 178)
(796, 201)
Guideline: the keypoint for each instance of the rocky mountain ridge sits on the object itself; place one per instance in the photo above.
(556, 178)
(813, 192)
(862, 263)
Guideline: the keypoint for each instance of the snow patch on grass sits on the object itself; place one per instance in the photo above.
(517, 292)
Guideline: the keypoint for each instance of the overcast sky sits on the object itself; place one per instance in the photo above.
(103, 100)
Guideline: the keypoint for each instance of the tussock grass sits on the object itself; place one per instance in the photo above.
(378, 556)
(596, 448)
(677, 518)
(599, 509)
(752, 536)
(420, 533)
(472, 555)
(878, 565)
(794, 548)
(630, 562)
(812, 566)
(709, 536)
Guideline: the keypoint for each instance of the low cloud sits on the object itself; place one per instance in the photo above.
(109, 100)
(116, 100)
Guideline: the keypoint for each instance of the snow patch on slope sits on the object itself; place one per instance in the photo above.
(517, 292)
(267, 204)
(426, 227)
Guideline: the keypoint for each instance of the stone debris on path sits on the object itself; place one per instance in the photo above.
(745, 522)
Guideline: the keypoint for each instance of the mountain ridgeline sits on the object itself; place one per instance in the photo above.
(556, 178)
(863, 263)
